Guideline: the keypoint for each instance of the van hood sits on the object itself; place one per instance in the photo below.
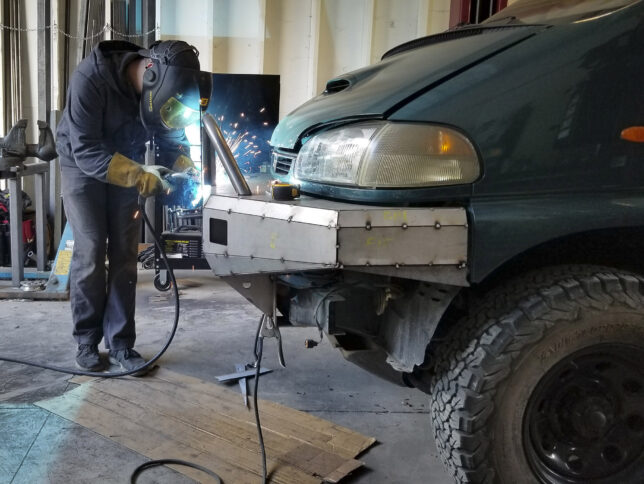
(378, 90)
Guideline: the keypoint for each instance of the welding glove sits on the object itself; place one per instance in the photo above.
(148, 179)
(183, 164)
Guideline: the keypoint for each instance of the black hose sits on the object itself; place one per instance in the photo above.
(161, 462)
(259, 349)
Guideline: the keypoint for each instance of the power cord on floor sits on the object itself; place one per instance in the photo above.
(258, 349)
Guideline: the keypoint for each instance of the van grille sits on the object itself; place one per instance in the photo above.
(282, 163)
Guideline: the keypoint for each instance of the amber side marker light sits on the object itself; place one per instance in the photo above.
(634, 134)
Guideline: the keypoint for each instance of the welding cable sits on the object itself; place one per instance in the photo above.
(259, 340)
(146, 258)
(178, 462)
(259, 349)
(156, 357)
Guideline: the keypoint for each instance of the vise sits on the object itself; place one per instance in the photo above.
(14, 148)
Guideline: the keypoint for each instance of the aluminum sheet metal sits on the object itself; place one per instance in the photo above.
(268, 236)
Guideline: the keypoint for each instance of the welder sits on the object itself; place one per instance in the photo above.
(119, 97)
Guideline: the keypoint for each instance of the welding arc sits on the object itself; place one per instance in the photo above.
(155, 358)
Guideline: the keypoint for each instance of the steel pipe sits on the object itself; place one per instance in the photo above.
(226, 156)
(15, 216)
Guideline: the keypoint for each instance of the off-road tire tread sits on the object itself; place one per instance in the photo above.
(477, 356)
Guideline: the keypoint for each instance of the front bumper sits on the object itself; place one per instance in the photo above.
(258, 235)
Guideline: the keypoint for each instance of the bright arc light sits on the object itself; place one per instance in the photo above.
(205, 193)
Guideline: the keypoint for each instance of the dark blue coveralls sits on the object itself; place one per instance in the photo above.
(101, 117)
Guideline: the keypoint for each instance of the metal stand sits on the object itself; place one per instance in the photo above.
(14, 175)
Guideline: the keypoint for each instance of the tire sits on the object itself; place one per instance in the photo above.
(544, 382)
(161, 286)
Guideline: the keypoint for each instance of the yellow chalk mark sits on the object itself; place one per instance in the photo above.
(395, 215)
(273, 242)
(379, 242)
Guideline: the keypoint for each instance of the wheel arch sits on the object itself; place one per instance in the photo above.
(610, 247)
(618, 248)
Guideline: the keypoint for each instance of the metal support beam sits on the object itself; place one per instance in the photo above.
(55, 209)
(44, 59)
(148, 21)
(15, 215)
(41, 256)
(131, 20)
(44, 110)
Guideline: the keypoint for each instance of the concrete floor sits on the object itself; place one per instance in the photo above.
(217, 328)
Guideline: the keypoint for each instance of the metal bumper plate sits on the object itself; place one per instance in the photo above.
(255, 234)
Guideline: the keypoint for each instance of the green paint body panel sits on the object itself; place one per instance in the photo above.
(544, 106)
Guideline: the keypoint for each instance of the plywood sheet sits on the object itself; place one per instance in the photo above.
(168, 415)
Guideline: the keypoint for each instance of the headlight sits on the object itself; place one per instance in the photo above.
(381, 154)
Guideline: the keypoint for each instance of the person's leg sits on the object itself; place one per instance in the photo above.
(84, 199)
(123, 234)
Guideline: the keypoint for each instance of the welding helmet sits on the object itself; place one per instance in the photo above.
(174, 90)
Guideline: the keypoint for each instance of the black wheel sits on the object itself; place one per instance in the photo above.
(544, 382)
(162, 286)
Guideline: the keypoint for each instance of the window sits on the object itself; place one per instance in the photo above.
(473, 11)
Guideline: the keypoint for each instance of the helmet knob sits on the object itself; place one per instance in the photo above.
(149, 76)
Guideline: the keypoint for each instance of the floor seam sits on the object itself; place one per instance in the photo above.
(29, 449)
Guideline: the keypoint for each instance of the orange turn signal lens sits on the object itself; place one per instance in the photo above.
(634, 134)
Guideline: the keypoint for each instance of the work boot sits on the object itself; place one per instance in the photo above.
(88, 359)
(128, 360)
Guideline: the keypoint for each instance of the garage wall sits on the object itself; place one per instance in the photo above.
(306, 42)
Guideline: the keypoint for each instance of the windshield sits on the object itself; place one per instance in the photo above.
(557, 11)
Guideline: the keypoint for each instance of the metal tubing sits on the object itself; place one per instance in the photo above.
(15, 217)
(41, 256)
(226, 156)
(208, 160)
(44, 59)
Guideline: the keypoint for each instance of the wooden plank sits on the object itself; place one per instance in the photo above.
(241, 434)
(273, 416)
(172, 415)
(243, 451)
(131, 434)
(147, 433)
(316, 431)
(319, 432)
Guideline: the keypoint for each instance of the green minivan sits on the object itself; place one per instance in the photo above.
(472, 224)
